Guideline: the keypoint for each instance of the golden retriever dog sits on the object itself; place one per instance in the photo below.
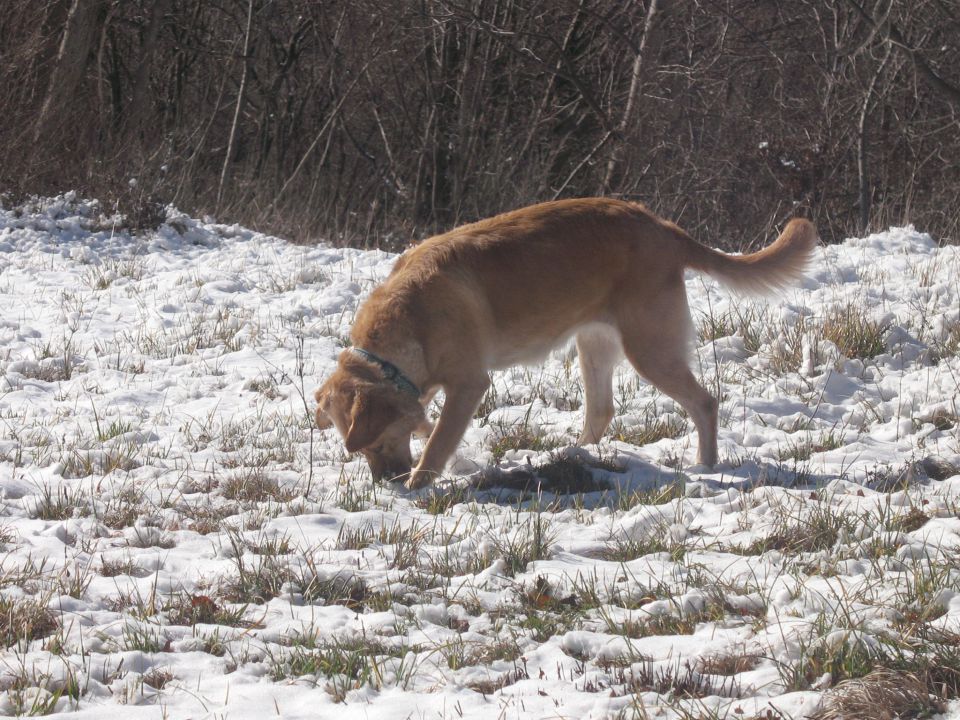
(509, 289)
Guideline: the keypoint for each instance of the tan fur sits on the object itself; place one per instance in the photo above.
(509, 289)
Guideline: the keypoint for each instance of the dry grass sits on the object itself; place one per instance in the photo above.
(854, 332)
(881, 695)
(24, 620)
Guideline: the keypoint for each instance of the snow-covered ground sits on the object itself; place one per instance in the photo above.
(178, 541)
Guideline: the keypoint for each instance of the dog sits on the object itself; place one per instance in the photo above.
(509, 289)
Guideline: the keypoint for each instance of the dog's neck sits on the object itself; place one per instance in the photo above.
(390, 371)
(407, 355)
(388, 333)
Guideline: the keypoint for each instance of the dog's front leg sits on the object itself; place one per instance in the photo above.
(458, 410)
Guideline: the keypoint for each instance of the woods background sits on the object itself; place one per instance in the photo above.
(375, 122)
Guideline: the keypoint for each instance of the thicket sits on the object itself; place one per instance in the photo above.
(375, 122)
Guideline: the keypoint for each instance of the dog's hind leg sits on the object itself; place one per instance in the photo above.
(599, 349)
(656, 343)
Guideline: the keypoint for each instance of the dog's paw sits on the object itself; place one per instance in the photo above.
(418, 479)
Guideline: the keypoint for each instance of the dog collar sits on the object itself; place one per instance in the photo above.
(390, 371)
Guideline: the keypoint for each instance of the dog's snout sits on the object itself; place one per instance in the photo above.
(388, 470)
(396, 474)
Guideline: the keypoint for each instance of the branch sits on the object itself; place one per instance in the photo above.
(236, 110)
(919, 61)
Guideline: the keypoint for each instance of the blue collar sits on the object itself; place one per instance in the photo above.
(390, 371)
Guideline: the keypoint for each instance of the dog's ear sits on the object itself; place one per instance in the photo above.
(372, 412)
(323, 420)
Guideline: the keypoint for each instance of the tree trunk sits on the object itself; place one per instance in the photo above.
(616, 157)
(237, 107)
(866, 195)
(140, 97)
(79, 34)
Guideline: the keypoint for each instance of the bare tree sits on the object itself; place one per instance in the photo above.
(378, 122)
(71, 63)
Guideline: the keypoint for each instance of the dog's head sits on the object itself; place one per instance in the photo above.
(374, 417)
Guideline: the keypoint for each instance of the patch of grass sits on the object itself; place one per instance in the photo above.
(935, 658)
(440, 501)
(405, 541)
(116, 428)
(802, 450)
(214, 644)
(651, 429)
(652, 496)
(547, 613)
(913, 519)
(881, 693)
(728, 664)
(23, 620)
(219, 328)
(338, 589)
(455, 562)
(54, 362)
(855, 334)
(74, 579)
(653, 625)
(622, 547)
(257, 578)
(345, 665)
(103, 275)
(786, 353)
(820, 528)
(157, 678)
(29, 574)
(355, 538)
(521, 436)
(349, 661)
(947, 345)
(204, 517)
(353, 493)
(920, 599)
(121, 566)
(717, 609)
(506, 679)
(519, 546)
(276, 545)
(459, 653)
(145, 638)
(677, 681)
(191, 609)
(82, 463)
(58, 503)
(253, 485)
(34, 692)
(748, 322)
(266, 385)
(406, 548)
(122, 509)
(842, 658)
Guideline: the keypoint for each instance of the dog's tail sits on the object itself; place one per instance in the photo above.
(775, 267)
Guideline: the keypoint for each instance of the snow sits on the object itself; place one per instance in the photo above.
(155, 438)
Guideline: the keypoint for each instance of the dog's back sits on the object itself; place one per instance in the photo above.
(542, 271)
(525, 280)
